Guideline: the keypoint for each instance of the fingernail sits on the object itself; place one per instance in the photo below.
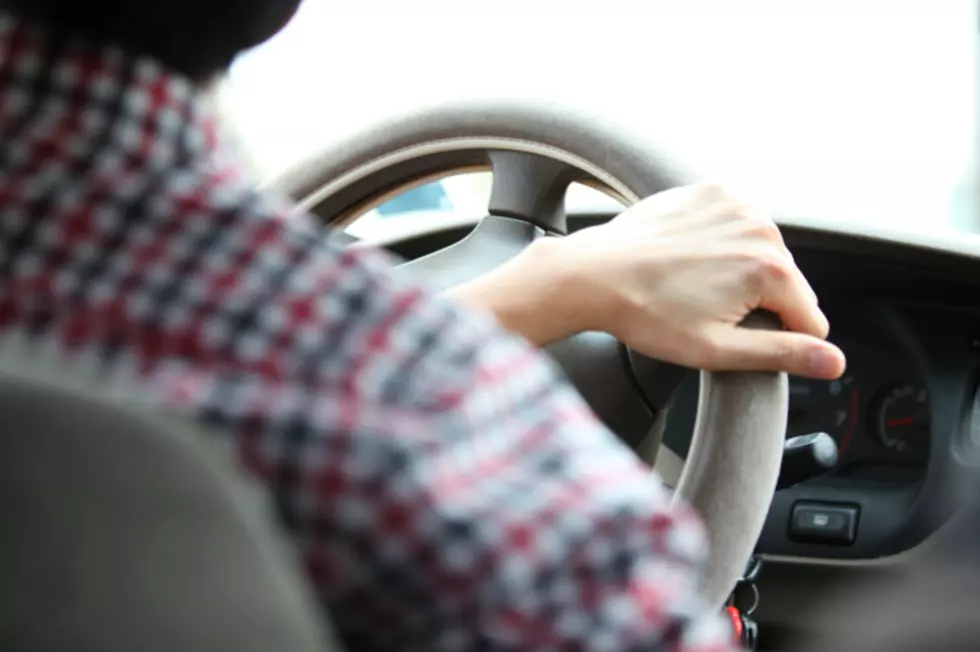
(824, 363)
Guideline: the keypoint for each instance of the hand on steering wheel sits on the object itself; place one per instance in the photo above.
(672, 277)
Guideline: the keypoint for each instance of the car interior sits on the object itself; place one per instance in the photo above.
(805, 485)
(904, 420)
(824, 482)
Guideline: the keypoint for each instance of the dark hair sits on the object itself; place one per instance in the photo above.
(199, 38)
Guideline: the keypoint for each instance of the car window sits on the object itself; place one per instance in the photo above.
(860, 110)
(430, 197)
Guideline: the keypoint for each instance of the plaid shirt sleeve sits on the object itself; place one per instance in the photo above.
(447, 488)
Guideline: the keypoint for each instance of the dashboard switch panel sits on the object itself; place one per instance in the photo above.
(828, 523)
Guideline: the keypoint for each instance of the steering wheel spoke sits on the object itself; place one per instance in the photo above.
(530, 188)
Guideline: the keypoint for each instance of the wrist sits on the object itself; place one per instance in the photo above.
(580, 291)
(535, 294)
(556, 283)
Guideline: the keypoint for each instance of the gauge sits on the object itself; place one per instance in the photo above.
(900, 418)
(822, 406)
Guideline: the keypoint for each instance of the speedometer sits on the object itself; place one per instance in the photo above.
(900, 418)
(824, 406)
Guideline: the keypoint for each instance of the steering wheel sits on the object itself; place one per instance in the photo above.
(535, 152)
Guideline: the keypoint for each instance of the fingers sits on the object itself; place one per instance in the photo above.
(779, 284)
(744, 349)
(736, 253)
(784, 291)
(801, 349)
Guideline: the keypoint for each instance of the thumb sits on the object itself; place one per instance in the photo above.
(745, 349)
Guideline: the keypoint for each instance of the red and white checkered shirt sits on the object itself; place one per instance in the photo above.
(446, 489)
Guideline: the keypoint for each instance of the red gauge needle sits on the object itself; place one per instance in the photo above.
(903, 421)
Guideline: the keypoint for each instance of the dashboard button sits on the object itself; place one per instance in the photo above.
(823, 523)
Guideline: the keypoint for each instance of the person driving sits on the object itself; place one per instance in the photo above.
(445, 487)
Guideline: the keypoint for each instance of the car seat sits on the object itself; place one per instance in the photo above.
(126, 531)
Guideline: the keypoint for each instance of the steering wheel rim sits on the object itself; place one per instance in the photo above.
(536, 151)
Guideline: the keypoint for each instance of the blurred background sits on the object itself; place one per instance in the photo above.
(840, 110)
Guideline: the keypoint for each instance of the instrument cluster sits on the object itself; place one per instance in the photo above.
(877, 413)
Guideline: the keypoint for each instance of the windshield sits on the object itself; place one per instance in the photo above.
(860, 110)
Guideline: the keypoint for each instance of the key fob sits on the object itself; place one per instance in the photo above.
(745, 630)
(750, 634)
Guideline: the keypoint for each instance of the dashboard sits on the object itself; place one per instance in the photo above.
(905, 415)
(877, 413)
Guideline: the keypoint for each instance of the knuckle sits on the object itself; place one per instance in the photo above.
(776, 267)
(757, 223)
(713, 191)
(767, 267)
(741, 213)
(768, 230)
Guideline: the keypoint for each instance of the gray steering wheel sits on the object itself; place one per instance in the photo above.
(535, 152)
